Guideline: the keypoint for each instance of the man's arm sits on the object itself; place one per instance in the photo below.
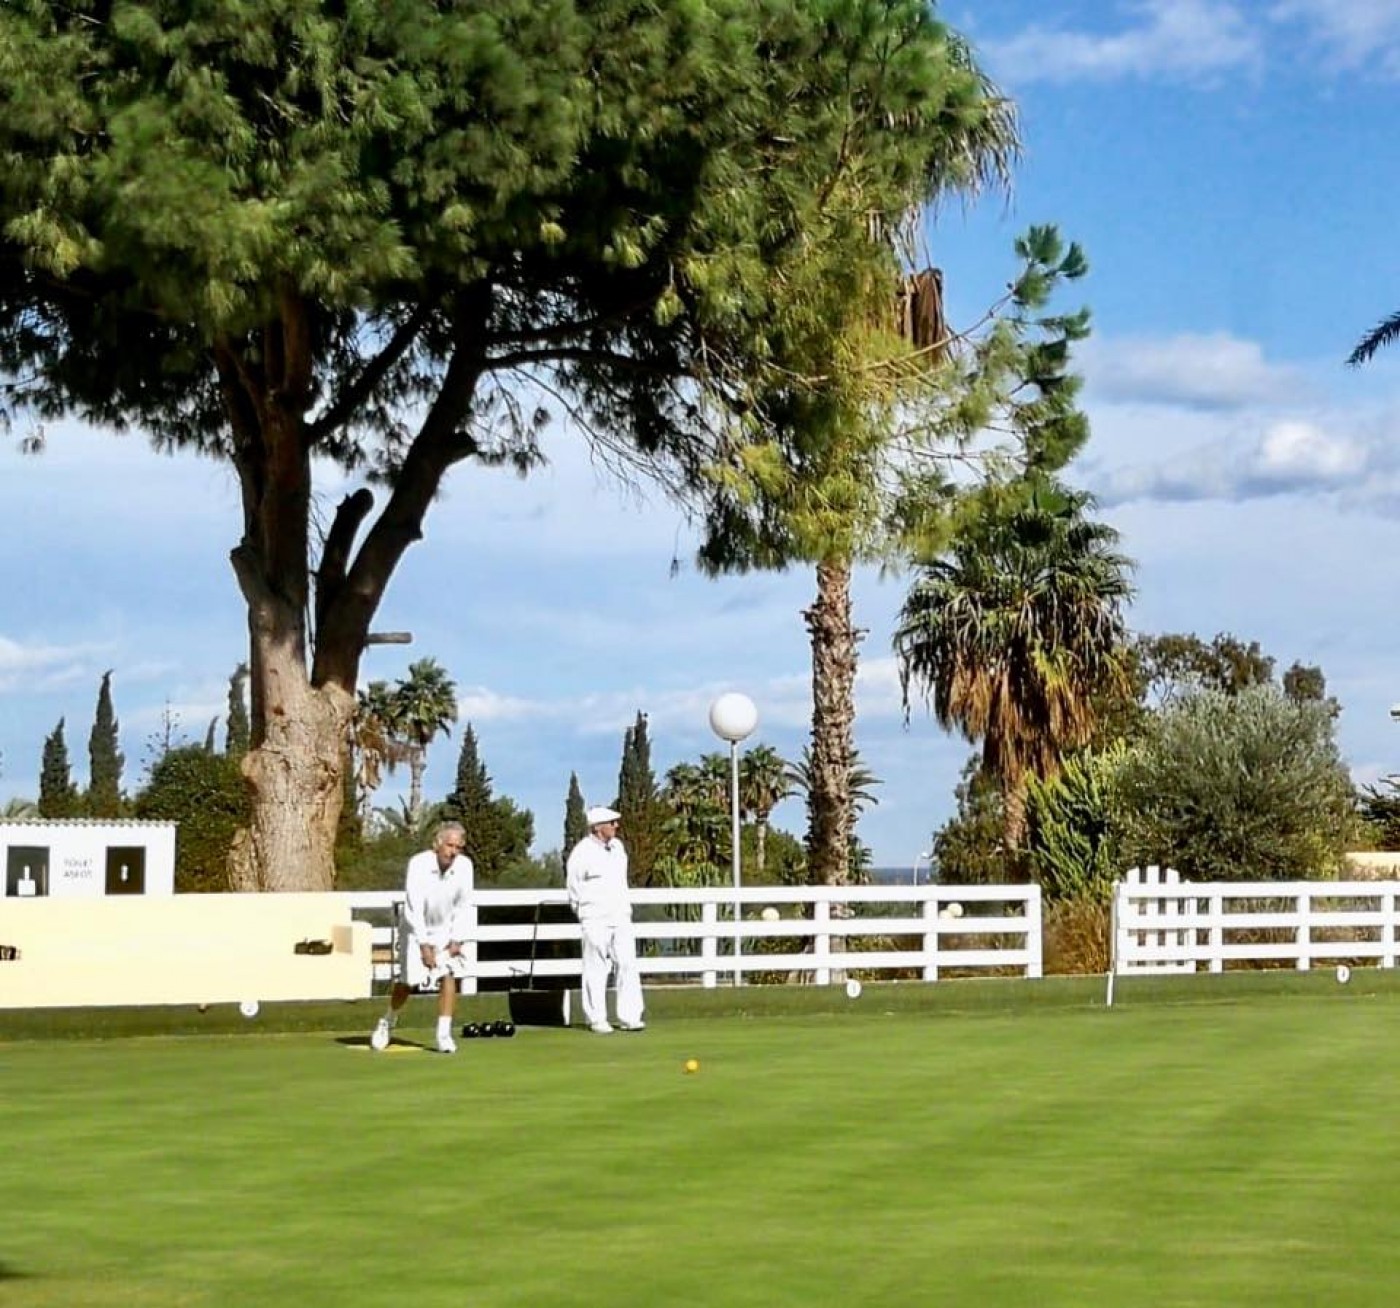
(573, 877)
(461, 904)
(413, 903)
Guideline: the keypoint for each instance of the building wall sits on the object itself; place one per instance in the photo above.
(181, 949)
(86, 858)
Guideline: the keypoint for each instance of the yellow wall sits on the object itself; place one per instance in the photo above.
(184, 949)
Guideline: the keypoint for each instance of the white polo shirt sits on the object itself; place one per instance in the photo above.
(435, 902)
(597, 881)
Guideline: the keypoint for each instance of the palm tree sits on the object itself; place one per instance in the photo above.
(1385, 332)
(425, 704)
(763, 784)
(859, 779)
(374, 738)
(1012, 634)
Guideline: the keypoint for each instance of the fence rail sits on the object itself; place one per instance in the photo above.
(1162, 924)
(814, 934)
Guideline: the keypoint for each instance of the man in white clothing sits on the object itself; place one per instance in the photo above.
(437, 894)
(597, 885)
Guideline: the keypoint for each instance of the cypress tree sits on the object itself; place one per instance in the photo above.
(236, 739)
(575, 816)
(104, 796)
(638, 801)
(58, 796)
(470, 799)
(497, 832)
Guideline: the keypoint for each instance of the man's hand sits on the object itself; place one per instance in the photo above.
(428, 953)
(454, 948)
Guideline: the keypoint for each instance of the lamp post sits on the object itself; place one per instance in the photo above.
(732, 718)
(925, 857)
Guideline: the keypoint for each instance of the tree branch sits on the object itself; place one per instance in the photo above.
(343, 407)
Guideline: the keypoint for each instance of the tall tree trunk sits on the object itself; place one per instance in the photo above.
(417, 766)
(834, 642)
(306, 647)
(296, 774)
(1013, 828)
(761, 840)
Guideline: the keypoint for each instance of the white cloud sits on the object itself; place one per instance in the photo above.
(1353, 33)
(1170, 39)
(1213, 370)
(40, 667)
(1286, 457)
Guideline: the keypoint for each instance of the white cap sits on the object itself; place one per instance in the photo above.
(599, 814)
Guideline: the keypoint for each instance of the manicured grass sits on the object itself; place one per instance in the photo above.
(1212, 1142)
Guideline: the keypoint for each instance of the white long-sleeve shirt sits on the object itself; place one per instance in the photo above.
(436, 902)
(597, 881)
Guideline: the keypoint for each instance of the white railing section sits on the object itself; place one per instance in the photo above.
(1163, 924)
(810, 933)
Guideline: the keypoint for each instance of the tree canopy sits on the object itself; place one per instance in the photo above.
(372, 231)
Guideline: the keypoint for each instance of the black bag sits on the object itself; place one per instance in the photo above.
(531, 1007)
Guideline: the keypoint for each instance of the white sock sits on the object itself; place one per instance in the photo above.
(444, 1027)
(391, 1017)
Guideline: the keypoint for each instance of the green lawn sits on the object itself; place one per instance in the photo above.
(876, 1154)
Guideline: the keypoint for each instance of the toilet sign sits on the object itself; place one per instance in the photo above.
(86, 858)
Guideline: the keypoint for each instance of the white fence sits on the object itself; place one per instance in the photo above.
(1162, 924)
(809, 934)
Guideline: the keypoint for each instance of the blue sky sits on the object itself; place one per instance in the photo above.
(1230, 170)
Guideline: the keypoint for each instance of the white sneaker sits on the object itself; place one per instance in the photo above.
(632, 1026)
(446, 1045)
(381, 1035)
(601, 1028)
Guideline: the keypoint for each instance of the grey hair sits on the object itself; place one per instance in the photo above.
(445, 828)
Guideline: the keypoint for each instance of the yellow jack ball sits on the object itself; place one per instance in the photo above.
(692, 1064)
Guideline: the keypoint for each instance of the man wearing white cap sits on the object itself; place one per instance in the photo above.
(597, 884)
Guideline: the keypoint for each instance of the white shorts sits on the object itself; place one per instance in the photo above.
(417, 977)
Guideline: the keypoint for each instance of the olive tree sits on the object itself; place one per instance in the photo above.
(1243, 787)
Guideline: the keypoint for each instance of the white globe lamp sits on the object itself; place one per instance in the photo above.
(733, 717)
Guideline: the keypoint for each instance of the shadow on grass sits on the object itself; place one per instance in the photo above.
(11, 1273)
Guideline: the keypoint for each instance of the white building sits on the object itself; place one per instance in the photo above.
(86, 858)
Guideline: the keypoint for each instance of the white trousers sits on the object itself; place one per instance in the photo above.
(610, 947)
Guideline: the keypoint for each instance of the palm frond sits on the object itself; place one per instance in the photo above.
(1382, 334)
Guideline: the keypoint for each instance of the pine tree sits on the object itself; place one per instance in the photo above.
(638, 801)
(104, 796)
(236, 740)
(58, 796)
(575, 816)
(258, 231)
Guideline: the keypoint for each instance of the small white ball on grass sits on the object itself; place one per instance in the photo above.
(1343, 974)
(852, 989)
(249, 1008)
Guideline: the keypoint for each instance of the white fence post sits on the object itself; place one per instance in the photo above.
(1035, 937)
(931, 943)
(1302, 935)
(709, 949)
(821, 942)
(1388, 930)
